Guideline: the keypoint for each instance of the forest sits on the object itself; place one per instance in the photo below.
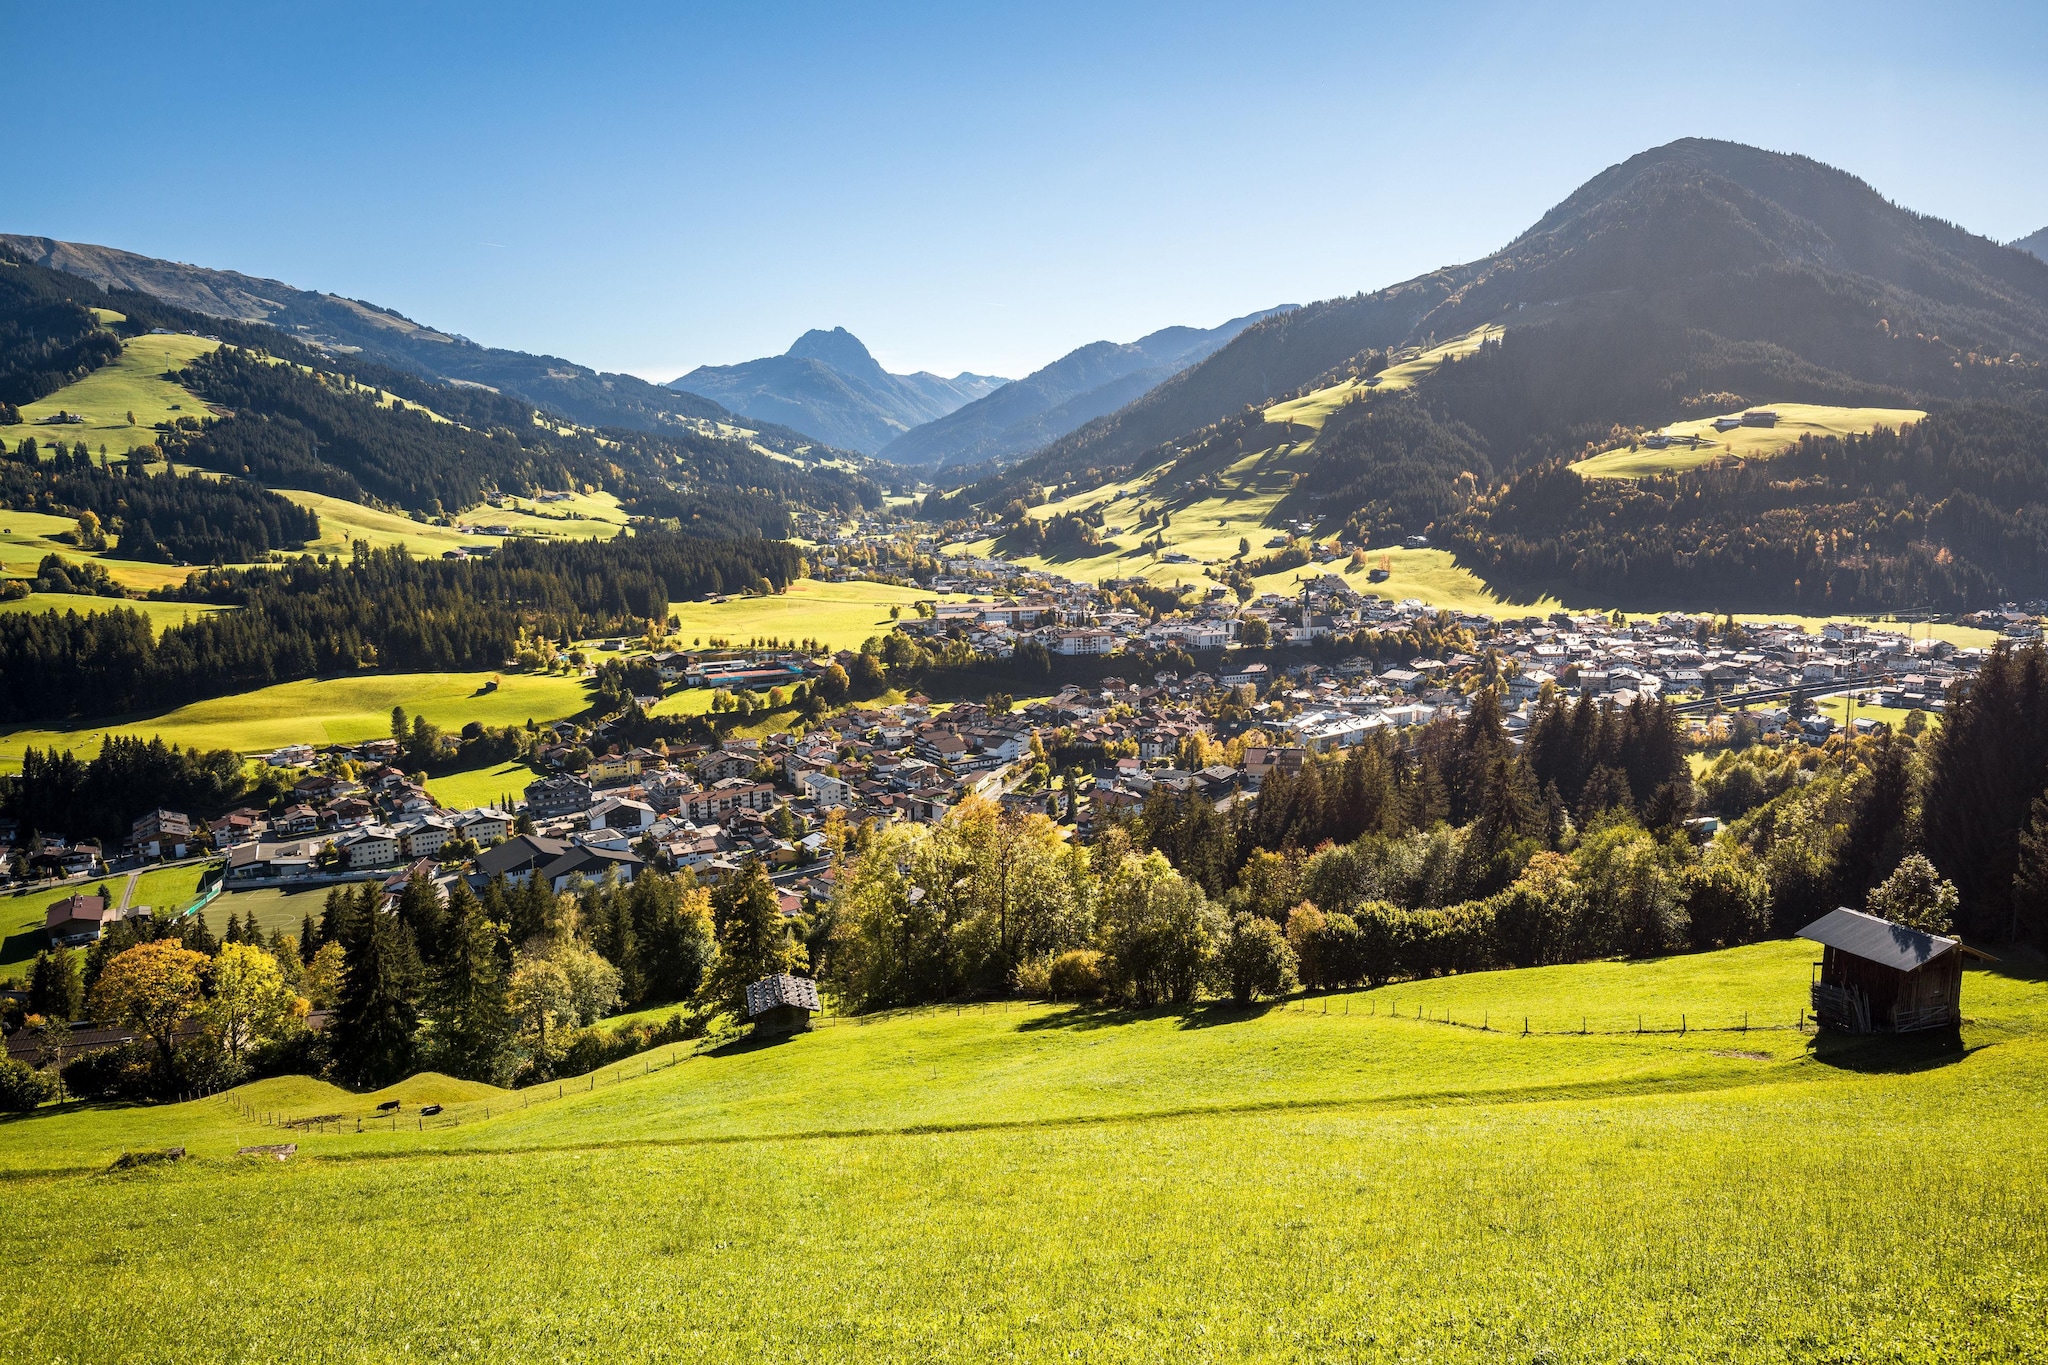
(1950, 514)
(162, 517)
(378, 609)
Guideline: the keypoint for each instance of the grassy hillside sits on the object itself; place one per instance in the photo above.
(1324, 1180)
(160, 614)
(328, 710)
(1742, 443)
(342, 523)
(25, 537)
(134, 383)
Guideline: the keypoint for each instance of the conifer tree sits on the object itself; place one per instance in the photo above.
(378, 1015)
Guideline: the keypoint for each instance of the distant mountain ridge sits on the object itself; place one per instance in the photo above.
(828, 384)
(2036, 244)
(1080, 386)
(352, 326)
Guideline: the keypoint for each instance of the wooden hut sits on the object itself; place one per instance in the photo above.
(782, 1003)
(1875, 975)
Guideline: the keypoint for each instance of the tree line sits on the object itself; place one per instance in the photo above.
(377, 608)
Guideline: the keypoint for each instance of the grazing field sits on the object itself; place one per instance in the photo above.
(1311, 410)
(25, 537)
(326, 710)
(342, 523)
(132, 383)
(160, 614)
(840, 615)
(1317, 1181)
(1742, 443)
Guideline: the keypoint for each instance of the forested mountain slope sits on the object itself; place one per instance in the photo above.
(2037, 243)
(1696, 272)
(351, 326)
(828, 383)
(1087, 382)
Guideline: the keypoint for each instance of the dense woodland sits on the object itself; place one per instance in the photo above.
(157, 516)
(1951, 514)
(47, 339)
(379, 609)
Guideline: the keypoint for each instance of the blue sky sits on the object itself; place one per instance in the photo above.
(964, 186)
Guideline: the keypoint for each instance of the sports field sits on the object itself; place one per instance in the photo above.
(1336, 1178)
(1742, 443)
(327, 710)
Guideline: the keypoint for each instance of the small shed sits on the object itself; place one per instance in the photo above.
(782, 1003)
(1875, 975)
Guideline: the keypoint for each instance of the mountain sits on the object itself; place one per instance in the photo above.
(328, 322)
(1080, 386)
(829, 385)
(1698, 271)
(2036, 244)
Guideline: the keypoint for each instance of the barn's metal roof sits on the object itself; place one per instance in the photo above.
(1876, 940)
(770, 991)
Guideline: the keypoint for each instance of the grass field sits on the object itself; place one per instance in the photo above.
(841, 615)
(160, 614)
(277, 909)
(482, 786)
(328, 710)
(132, 383)
(1310, 410)
(25, 537)
(342, 523)
(1742, 443)
(1315, 1182)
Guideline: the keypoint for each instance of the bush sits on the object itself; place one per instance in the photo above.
(22, 1087)
(579, 1052)
(127, 1072)
(1254, 959)
(1075, 975)
(1728, 901)
(1916, 896)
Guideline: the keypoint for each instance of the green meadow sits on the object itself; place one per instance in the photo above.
(840, 615)
(327, 710)
(132, 383)
(160, 614)
(1742, 443)
(1332, 1178)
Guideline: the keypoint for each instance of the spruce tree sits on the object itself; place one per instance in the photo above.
(472, 1023)
(378, 1016)
(753, 938)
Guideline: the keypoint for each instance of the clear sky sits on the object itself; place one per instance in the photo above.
(963, 186)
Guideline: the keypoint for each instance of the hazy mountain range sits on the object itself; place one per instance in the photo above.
(827, 384)
(1080, 386)
(2037, 243)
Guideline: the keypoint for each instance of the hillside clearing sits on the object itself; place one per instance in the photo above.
(132, 383)
(160, 614)
(1039, 1182)
(326, 711)
(1742, 443)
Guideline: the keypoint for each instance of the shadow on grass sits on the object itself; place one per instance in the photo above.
(753, 1042)
(1088, 1017)
(1890, 1054)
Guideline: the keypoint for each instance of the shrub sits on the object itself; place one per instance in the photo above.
(1075, 975)
(1254, 959)
(1916, 896)
(1728, 901)
(22, 1087)
(126, 1072)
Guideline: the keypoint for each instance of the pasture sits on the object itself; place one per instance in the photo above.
(1324, 1179)
(1741, 443)
(132, 383)
(839, 615)
(325, 711)
(160, 614)
(342, 523)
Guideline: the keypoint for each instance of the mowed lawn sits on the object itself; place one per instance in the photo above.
(838, 615)
(132, 383)
(1050, 1183)
(327, 710)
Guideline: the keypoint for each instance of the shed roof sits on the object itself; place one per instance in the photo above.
(770, 991)
(1876, 940)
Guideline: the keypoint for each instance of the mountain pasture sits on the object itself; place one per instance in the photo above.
(1324, 1178)
(837, 615)
(132, 383)
(327, 711)
(1741, 443)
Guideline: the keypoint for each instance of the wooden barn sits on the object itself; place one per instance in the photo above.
(782, 1004)
(1878, 976)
